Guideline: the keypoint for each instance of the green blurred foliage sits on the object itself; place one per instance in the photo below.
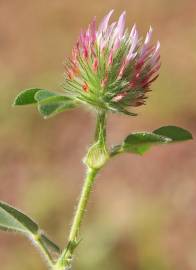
(141, 215)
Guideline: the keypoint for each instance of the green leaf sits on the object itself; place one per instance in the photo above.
(12, 219)
(54, 104)
(44, 94)
(140, 142)
(174, 133)
(26, 97)
(49, 103)
(32, 95)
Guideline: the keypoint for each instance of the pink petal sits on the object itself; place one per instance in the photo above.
(121, 24)
(133, 30)
(104, 24)
(146, 42)
(148, 36)
(93, 29)
(156, 56)
(134, 42)
(116, 44)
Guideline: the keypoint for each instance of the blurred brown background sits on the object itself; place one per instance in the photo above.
(142, 213)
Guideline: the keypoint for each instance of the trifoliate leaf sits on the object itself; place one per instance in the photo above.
(49, 103)
(140, 142)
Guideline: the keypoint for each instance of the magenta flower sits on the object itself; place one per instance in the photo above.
(110, 68)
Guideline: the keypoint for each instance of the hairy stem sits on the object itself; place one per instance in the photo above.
(73, 239)
(91, 173)
(100, 131)
(64, 261)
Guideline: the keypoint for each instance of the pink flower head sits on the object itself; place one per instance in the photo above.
(110, 68)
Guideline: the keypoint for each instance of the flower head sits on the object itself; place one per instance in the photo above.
(110, 67)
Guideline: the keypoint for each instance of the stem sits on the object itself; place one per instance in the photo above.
(73, 239)
(91, 173)
(64, 261)
(100, 132)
